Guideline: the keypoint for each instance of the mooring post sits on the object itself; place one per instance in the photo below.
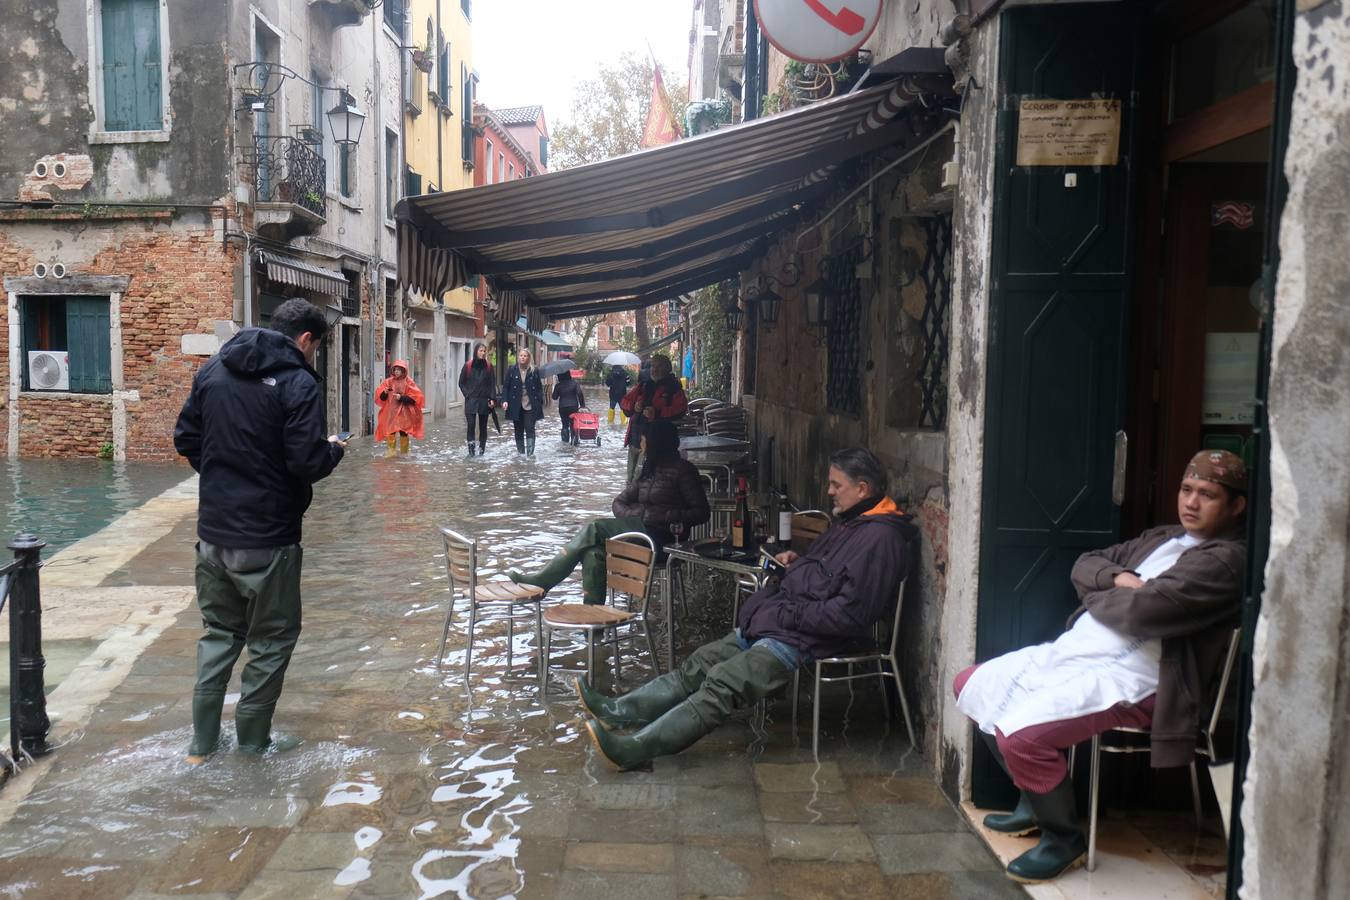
(29, 724)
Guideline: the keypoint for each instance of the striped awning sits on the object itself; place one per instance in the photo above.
(634, 230)
(285, 269)
(428, 270)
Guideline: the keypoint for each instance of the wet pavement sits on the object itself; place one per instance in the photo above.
(409, 783)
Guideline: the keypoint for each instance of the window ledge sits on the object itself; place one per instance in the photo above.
(389, 223)
(64, 395)
(346, 202)
(130, 137)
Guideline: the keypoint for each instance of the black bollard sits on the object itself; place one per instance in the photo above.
(29, 724)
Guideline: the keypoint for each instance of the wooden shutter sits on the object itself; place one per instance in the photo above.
(87, 334)
(132, 74)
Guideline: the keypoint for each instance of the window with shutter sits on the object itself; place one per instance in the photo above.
(79, 326)
(131, 65)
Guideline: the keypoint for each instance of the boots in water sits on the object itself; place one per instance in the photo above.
(529, 446)
(1062, 846)
(677, 729)
(482, 447)
(636, 708)
(472, 447)
(611, 415)
(1021, 821)
(391, 452)
(254, 730)
(403, 443)
(205, 726)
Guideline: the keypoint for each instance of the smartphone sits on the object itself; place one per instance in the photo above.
(770, 565)
(344, 436)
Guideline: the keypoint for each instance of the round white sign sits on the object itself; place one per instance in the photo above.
(818, 30)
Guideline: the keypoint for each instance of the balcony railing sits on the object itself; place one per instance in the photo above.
(289, 170)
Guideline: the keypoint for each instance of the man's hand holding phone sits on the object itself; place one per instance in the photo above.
(341, 438)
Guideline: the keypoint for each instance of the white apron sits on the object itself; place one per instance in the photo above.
(1088, 669)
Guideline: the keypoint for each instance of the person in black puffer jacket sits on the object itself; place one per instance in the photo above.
(254, 427)
(478, 385)
(570, 399)
(668, 492)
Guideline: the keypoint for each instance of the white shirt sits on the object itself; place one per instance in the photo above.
(1088, 669)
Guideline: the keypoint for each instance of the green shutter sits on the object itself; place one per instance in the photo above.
(132, 74)
(87, 334)
(414, 186)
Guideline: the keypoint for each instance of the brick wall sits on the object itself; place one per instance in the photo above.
(61, 426)
(182, 281)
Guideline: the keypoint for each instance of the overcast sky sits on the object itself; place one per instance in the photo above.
(530, 52)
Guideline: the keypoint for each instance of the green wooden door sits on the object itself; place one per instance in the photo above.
(1056, 379)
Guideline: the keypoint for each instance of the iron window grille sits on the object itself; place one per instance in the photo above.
(843, 374)
(935, 272)
(391, 301)
(351, 301)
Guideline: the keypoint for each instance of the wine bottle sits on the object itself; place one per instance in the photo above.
(740, 523)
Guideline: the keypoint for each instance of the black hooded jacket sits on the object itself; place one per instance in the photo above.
(254, 427)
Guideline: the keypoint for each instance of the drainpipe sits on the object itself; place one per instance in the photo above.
(377, 278)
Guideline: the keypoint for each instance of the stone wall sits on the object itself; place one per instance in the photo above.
(64, 426)
(1295, 812)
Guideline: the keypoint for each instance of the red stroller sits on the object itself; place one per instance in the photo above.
(585, 427)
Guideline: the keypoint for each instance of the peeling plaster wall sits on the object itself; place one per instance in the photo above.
(45, 107)
(972, 227)
(1298, 781)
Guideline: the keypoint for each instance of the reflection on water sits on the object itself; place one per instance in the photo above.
(63, 500)
(426, 787)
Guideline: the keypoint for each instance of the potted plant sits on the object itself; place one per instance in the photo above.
(423, 58)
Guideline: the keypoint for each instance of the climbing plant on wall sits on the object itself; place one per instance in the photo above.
(712, 356)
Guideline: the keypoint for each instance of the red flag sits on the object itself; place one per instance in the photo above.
(661, 127)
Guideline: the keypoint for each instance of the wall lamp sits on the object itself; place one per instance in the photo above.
(262, 81)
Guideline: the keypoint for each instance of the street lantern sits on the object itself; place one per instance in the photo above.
(345, 120)
(817, 297)
(734, 317)
(768, 302)
(332, 314)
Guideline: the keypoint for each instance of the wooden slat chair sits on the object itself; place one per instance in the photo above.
(461, 561)
(808, 525)
(882, 653)
(630, 561)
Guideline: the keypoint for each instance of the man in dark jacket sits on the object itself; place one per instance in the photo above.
(660, 398)
(1157, 614)
(827, 601)
(254, 428)
(669, 493)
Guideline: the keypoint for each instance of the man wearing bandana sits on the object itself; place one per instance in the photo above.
(1141, 652)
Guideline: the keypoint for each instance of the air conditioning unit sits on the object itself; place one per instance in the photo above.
(48, 370)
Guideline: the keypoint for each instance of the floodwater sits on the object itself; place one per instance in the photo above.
(409, 781)
(63, 500)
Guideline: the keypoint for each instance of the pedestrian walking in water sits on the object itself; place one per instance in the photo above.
(617, 381)
(660, 398)
(570, 399)
(400, 401)
(667, 495)
(523, 401)
(254, 427)
(478, 385)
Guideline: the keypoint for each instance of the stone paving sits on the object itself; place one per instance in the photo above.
(407, 784)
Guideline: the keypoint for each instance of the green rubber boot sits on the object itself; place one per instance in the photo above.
(593, 579)
(1022, 820)
(558, 568)
(1018, 823)
(1062, 846)
(636, 708)
(255, 734)
(676, 730)
(206, 710)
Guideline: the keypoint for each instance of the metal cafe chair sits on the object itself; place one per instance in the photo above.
(882, 654)
(630, 562)
(461, 561)
(1204, 747)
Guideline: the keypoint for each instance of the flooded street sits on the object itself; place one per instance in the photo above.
(410, 783)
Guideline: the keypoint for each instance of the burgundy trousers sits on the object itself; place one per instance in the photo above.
(1036, 755)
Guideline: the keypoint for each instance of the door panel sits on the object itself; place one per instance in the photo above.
(1056, 380)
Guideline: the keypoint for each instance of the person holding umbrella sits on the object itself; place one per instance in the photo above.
(400, 401)
(617, 382)
(570, 399)
(523, 401)
(477, 385)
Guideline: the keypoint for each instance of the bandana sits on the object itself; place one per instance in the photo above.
(1220, 467)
